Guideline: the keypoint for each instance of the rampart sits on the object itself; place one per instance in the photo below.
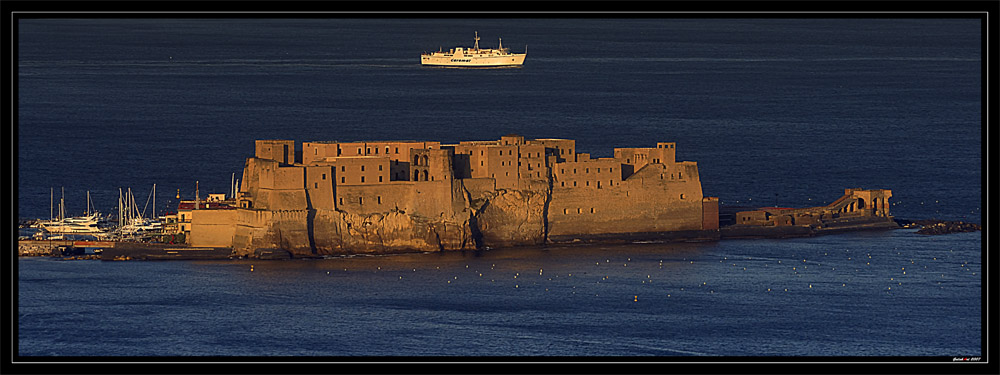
(396, 196)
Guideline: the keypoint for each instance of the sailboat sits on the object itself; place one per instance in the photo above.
(130, 220)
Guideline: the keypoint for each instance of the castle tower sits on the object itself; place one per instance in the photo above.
(280, 150)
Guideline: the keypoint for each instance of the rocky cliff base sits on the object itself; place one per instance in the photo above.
(936, 227)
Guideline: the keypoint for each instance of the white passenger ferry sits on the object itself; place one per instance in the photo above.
(474, 57)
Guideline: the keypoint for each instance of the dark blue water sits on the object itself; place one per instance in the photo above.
(778, 111)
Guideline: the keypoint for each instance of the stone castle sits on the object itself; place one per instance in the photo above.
(380, 197)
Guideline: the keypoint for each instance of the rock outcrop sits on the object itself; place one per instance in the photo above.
(511, 217)
(935, 227)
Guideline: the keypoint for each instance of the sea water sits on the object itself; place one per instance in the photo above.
(785, 112)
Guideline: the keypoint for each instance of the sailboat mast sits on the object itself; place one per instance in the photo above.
(120, 213)
(51, 201)
(62, 205)
(154, 201)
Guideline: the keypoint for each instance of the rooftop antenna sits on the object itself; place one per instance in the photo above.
(477, 41)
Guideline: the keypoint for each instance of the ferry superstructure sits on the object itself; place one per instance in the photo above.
(474, 57)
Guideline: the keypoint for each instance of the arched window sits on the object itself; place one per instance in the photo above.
(425, 175)
(424, 160)
(416, 175)
(416, 159)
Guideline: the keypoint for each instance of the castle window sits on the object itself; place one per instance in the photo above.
(574, 170)
(343, 180)
(362, 178)
(480, 163)
(679, 175)
(376, 151)
(598, 170)
(397, 150)
(501, 152)
(361, 200)
(324, 176)
(387, 149)
(588, 183)
(368, 150)
(579, 210)
(591, 210)
(379, 199)
(341, 201)
(563, 184)
(315, 151)
(565, 211)
(316, 185)
(379, 178)
(380, 167)
(574, 183)
(343, 168)
(359, 150)
(682, 196)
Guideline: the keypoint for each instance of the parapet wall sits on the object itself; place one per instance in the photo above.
(514, 192)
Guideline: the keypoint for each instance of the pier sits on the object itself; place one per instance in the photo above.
(111, 250)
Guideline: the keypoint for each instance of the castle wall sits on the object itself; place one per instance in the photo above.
(645, 202)
(365, 197)
(212, 228)
(319, 185)
(282, 151)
